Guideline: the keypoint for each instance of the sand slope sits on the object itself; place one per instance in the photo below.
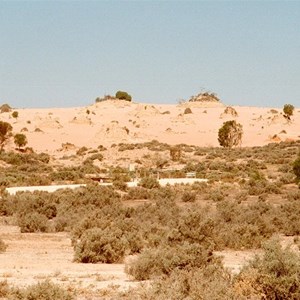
(113, 121)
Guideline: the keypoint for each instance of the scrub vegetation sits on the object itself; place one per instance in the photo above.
(169, 235)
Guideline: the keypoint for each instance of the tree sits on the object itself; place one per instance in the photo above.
(230, 134)
(20, 140)
(288, 110)
(123, 95)
(5, 133)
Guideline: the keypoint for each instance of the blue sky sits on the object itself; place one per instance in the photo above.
(67, 53)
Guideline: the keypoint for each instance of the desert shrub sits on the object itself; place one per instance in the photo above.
(67, 174)
(15, 114)
(210, 282)
(188, 197)
(97, 245)
(3, 246)
(296, 168)
(101, 148)
(163, 260)
(175, 153)
(44, 290)
(4, 289)
(288, 110)
(216, 194)
(138, 193)
(230, 134)
(243, 226)
(123, 95)
(287, 178)
(81, 151)
(188, 111)
(149, 183)
(33, 222)
(120, 184)
(97, 156)
(276, 274)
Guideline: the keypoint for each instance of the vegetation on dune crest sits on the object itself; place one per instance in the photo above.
(123, 96)
(288, 110)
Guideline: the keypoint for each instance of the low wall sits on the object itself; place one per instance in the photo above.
(53, 188)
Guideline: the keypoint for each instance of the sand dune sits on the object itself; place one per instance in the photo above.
(114, 121)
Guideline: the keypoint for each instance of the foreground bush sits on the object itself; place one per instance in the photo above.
(164, 259)
(97, 245)
(45, 290)
(33, 222)
(275, 275)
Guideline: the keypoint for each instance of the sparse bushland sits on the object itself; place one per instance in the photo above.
(230, 134)
(244, 203)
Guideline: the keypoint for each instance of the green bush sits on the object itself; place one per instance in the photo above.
(20, 140)
(230, 134)
(101, 245)
(123, 95)
(288, 110)
(15, 114)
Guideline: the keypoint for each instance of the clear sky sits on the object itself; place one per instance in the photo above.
(67, 53)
